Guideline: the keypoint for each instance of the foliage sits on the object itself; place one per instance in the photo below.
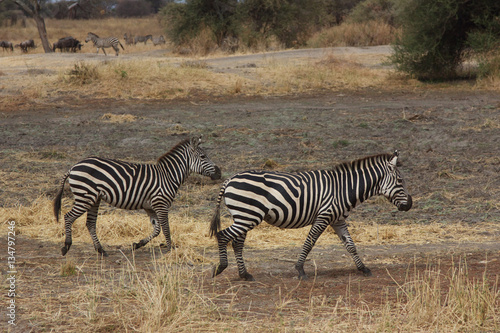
(83, 73)
(437, 35)
(133, 8)
(290, 21)
(386, 11)
(183, 21)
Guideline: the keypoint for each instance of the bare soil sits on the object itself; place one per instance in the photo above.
(449, 142)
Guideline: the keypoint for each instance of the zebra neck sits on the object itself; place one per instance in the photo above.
(356, 183)
(175, 166)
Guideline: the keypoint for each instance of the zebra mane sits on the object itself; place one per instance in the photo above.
(181, 144)
(350, 164)
(93, 34)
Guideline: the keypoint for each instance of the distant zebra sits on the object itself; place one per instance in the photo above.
(102, 43)
(151, 187)
(129, 40)
(140, 39)
(158, 40)
(295, 200)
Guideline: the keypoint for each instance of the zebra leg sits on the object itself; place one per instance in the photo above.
(69, 218)
(156, 232)
(316, 230)
(152, 216)
(341, 230)
(103, 51)
(163, 219)
(238, 252)
(116, 49)
(91, 226)
(222, 240)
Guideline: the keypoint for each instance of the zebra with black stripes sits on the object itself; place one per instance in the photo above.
(132, 186)
(141, 39)
(295, 200)
(102, 43)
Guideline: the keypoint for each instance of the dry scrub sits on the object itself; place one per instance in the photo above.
(190, 230)
(175, 293)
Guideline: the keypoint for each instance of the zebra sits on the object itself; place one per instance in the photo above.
(140, 39)
(294, 200)
(129, 40)
(131, 186)
(102, 43)
(158, 40)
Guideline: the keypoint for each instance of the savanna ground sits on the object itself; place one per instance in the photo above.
(435, 268)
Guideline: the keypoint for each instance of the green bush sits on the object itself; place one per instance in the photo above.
(184, 21)
(437, 35)
(291, 22)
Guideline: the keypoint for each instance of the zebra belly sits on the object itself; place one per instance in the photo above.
(281, 199)
(247, 208)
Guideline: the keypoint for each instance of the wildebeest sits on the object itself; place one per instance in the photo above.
(6, 45)
(27, 44)
(68, 44)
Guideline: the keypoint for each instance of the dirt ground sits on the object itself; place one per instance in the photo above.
(449, 143)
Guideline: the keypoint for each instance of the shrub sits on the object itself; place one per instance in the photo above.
(183, 21)
(437, 35)
(83, 73)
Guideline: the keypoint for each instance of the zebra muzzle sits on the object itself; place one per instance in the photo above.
(217, 174)
(406, 207)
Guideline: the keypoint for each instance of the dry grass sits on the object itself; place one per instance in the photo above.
(354, 34)
(171, 295)
(165, 79)
(190, 231)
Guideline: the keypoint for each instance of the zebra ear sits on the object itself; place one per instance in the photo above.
(195, 141)
(394, 159)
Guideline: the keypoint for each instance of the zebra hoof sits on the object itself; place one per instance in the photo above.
(166, 246)
(65, 248)
(247, 277)
(217, 270)
(366, 271)
(303, 277)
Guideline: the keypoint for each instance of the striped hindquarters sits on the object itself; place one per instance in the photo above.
(282, 199)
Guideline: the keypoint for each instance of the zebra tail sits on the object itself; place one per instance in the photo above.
(215, 224)
(58, 198)
(121, 45)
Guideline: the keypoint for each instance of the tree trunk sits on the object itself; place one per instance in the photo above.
(34, 10)
(42, 31)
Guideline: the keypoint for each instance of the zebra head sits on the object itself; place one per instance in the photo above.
(91, 37)
(200, 162)
(393, 185)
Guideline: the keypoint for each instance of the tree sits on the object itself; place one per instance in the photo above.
(187, 19)
(439, 34)
(33, 8)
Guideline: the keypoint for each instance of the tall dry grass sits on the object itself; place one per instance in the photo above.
(166, 78)
(354, 34)
(172, 296)
(190, 230)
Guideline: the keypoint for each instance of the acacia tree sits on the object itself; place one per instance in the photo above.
(33, 8)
